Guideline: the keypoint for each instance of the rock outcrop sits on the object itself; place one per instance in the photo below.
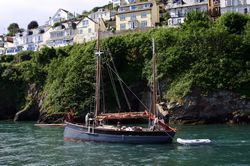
(31, 111)
(218, 107)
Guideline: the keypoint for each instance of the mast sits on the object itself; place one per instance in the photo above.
(154, 79)
(98, 73)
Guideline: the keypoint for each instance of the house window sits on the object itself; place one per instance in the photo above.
(56, 20)
(122, 17)
(121, 9)
(144, 24)
(39, 38)
(85, 23)
(80, 31)
(133, 7)
(147, 5)
(122, 26)
(57, 34)
(143, 14)
(133, 16)
(89, 30)
(179, 13)
(245, 11)
(28, 40)
(133, 24)
(179, 21)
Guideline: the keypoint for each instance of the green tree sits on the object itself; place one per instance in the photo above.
(196, 20)
(165, 17)
(234, 23)
(85, 13)
(13, 28)
(32, 25)
(95, 9)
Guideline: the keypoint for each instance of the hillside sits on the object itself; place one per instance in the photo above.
(202, 58)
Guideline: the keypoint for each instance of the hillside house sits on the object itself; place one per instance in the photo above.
(240, 6)
(62, 34)
(137, 14)
(87, 28)
(178, 9)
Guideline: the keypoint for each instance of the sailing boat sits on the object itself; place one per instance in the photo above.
(94, 130)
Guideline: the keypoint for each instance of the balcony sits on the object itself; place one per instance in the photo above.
(135, 7)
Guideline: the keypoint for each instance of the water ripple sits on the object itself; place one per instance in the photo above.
(25, 144)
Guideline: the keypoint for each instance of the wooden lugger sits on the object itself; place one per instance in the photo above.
(130, 135)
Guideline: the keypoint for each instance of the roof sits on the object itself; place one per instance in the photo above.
(66, 11)
(88, 18)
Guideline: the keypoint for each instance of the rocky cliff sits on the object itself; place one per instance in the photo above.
(217, 107)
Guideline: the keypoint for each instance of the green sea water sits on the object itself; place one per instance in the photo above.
(25, 144)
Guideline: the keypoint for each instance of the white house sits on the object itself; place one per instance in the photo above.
(30, 39)
(240, 6)
(61, 35)
(60, 16)
(178, 9)
(104, 14)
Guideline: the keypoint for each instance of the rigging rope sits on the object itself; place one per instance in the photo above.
(114, 89)
(127, 87)
(123, 91)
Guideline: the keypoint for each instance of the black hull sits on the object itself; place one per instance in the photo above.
(83, 133)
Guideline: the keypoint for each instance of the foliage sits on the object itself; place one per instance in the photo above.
(108, 6)
(233, 22)
(85, 13)
(56, 24)
(45, 55)
(6, 58)
(24, 56)
(32, 25)
(70, 80)
(201, 53)
(11, 86)
(196, 20)
(13, 28)
(165, 17)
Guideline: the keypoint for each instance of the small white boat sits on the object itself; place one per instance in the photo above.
(193, 141)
